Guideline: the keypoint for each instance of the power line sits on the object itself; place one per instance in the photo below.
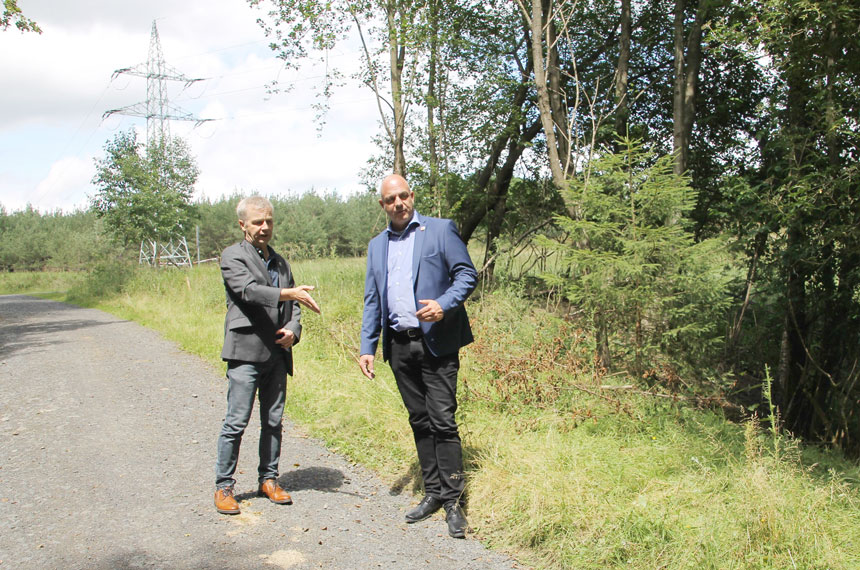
(156, 109)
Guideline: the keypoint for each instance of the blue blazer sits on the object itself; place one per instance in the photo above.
(253, 307)
(441, 270)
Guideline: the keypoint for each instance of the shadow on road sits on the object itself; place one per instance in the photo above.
(39, 335)
(307, 479)
(312, 479)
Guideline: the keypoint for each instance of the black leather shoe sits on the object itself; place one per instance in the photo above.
(457, 524)
(425, 508)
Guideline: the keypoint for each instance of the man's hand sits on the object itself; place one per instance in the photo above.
(300, 295)
(365, 362)
(431, 312)
(285, 338)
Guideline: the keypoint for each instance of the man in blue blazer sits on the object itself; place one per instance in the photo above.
(262, 324)
(419, 274)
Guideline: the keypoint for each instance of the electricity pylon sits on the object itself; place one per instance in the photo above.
(157, 110)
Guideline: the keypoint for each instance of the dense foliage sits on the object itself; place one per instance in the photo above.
(32, 241)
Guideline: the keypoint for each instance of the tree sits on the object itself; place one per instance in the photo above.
(457, 59)
(657, 291)
(12, 13)
(541, 26)
(144, 193)
(310, 28)
(809, 145)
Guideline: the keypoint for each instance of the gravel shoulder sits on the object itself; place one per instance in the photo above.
(107, 450)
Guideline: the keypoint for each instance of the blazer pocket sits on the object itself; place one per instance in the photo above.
(239, 323)
(433, 261)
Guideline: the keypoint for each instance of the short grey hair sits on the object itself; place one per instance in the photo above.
(255, 202)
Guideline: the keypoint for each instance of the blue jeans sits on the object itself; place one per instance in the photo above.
(268, 380)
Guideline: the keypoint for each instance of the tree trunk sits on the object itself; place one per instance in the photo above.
(496, 189)
(397, 55)
(432, 105)
(688, 61)
(601, 332)
(797, 386)
(839, 265)
(678, 90)
(758, 249)
(691, 82)
(482, 182)
(622, 104)
(543, 99)
(501, 185)
(797, 404)
(557, 99)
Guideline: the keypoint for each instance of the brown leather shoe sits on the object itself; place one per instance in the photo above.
(270, 489)
(224, 501)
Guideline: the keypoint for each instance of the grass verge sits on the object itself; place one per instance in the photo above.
(564, 472)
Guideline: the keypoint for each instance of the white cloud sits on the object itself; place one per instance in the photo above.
(51, 126)
(63, 186)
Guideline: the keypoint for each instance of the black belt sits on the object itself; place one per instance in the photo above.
(407, 335)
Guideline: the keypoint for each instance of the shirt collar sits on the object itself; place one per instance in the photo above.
(413, 223)
(260, 252)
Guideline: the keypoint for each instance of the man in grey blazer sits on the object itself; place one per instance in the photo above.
(262, 325)
(419, 275)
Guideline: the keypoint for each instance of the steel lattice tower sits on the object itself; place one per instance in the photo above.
(157, 110)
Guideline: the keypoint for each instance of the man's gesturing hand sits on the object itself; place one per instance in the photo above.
(300, 295)
(365, 362)
(431, 312)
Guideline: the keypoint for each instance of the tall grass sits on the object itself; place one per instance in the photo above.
(47, 284)
(567, 469)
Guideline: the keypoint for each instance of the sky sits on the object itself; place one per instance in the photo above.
(55, 88)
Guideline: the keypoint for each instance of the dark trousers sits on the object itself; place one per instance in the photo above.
(428, 386)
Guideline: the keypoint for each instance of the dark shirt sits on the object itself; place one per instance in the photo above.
(271, 266)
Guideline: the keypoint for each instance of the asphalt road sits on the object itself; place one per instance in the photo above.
(107, 447)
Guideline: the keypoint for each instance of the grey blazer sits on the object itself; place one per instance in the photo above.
(253, 315)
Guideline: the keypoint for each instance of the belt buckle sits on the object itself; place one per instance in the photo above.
(413, 334)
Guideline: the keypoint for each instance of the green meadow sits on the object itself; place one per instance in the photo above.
(567, 468)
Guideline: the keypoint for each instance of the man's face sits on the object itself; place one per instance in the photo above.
(258, 226)
(398, 202)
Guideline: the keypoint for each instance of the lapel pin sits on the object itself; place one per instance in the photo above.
(423, 228)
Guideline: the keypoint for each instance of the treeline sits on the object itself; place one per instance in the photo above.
(307, 225)
(32, 241)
